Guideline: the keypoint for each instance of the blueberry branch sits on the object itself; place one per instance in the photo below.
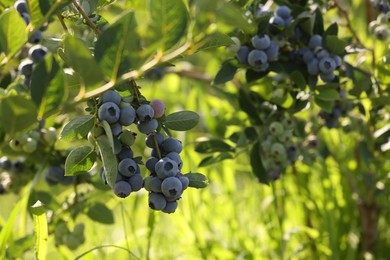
(86, 17)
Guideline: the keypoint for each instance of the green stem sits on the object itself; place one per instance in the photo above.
(86, 17)
(106, 246)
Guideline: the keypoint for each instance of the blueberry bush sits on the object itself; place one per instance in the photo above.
(110, 109)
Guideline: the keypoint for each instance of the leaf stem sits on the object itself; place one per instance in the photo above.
(86, 17)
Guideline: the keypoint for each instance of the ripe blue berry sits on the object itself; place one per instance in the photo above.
(116, 129)
(172, 145)
(127, 167)
(170, 207)
(277, 21)
(145, 112)
(327, 65)
(111, 96)
(171, 187)
(146, 127)
(136, 182)
(54, 174)
(158, 107)
(5, 163)
(109, 111)
(149, 140)
(242, 55)
(26, 18)
(321, 53)
(308, 56)
(37, 53)
(36, 37)
(176, 157)
(157, 201)
(272, 51)
(315, 41)
(21, 6)
(312, 67)
(155, 184)
(327, 77)
(150, 163)
(26, 67)
(122, 189)
(127, 115)
(125, 152)
(256, 58)
(184, 181)
(166, 167)
(283, 11)
(261, 42)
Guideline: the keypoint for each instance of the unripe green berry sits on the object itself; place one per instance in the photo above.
(35, 135)
(127, 137)
(276, 128)
(98, 131)
(285, 137)
(278, 149)
(16, 145)
(49, 135)
(30, 146)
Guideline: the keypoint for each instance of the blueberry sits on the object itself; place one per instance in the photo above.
(283, 11)
(315, 41)
(116, 129)
(292, 153)
(272, 51)
(26, 67)
(327, 77)
(5, 163)
(172, 145)
(158, 107)
(21, 6)
(128, 167)
(68, 180)
(256, 58)
(381, 32)
(321, 53)
(136, 182)
(155, 184)
(170, 207)
(184, 181)
(166, 167)
(261, 42)
(157, 201)
(327, 65)
(145, 112)
(35, 38)
(146, 127)
(122, 189)
(338, 61)
(277, 21)
(127, 115)
(176, 157)
(171, 187)
(149, 140)
(312, 67)
(242, 55)
(151, 163)
(125, 152)
(37, 53)
(111, 96)
(109, 111)
(55, 173)
(288, 21)
(308, 56)
(26, 18)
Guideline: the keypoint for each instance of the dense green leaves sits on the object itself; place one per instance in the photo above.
(40, 230)
(80, 160)
(17, 113)
(78, 127)
(182, 121)
(118, 48)
(48, 87)
(169, 22)
(79, 57)
(12, 32)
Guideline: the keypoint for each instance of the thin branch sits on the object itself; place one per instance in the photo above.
(86, 17)
(61, 19)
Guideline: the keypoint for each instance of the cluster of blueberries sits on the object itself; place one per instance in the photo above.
(56, 175)
(380, 26)
(165, 183)
(318, 60)
(37, 52)
(70, 238)
(279, 148)
(8, 168)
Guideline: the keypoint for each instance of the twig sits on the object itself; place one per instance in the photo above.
(86, 17)
(61, 19)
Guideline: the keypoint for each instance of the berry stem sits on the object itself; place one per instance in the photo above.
(61, 19)
(156, 145)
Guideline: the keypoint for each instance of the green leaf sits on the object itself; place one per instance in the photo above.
(212, 145)
(13, 33)
(48, 87)
(110, 163)
(197, 180)
(334, 45)
(215, 159)
(246, 104)
(40, 230)
(79, 57)
(182, 120)
(100, 213)
(328, 94)
(118, 48)
(299, 80)
(213, 41)
(333, 29)
(79, 160)
(107, 129)
(225, 73)
(168, 21)
(257, 164)
(324, 104)
(17, 113)
(360, 78)
(78, 127)
(38, 9)
(232, 15)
